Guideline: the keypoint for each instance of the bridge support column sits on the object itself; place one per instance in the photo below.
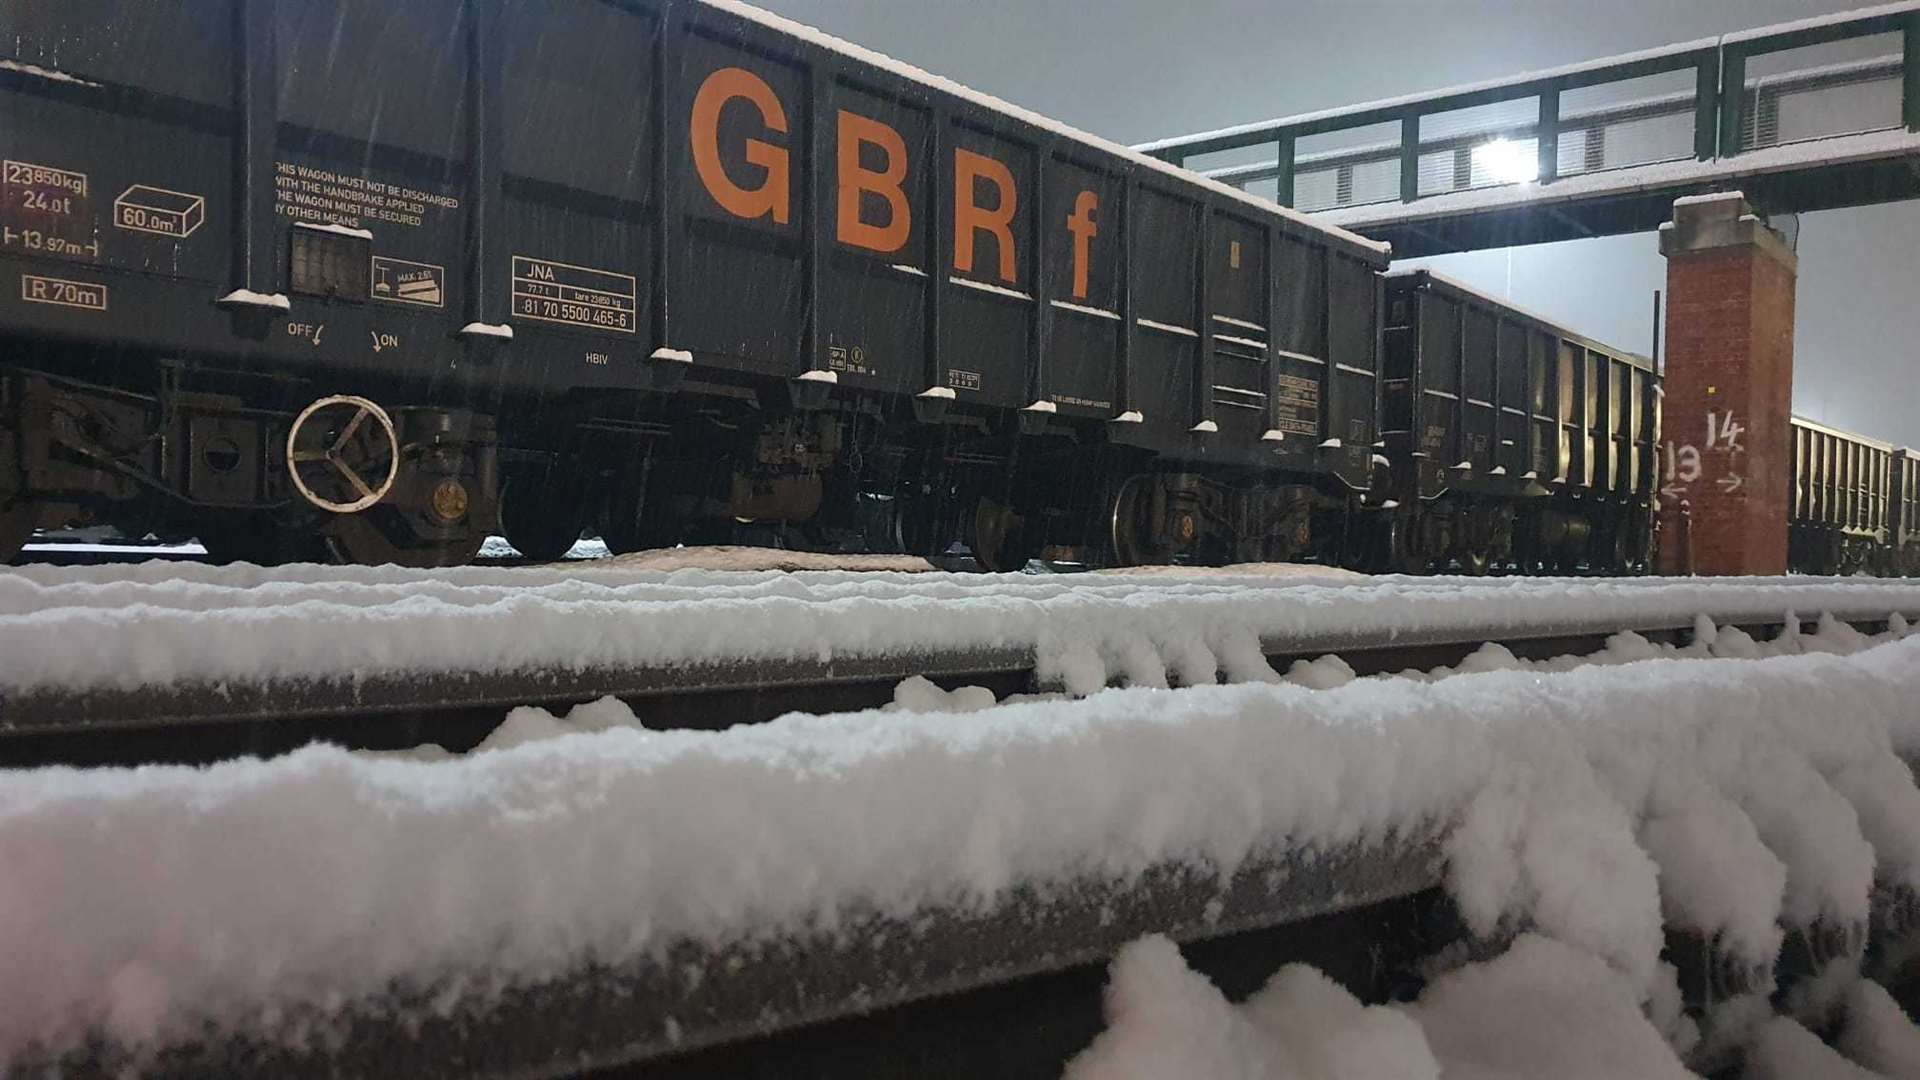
(1725, 436)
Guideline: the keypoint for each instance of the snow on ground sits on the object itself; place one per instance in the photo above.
(1301, 571)
(188, 549)
(146, 902)
(497, 547)
(166, 622)
(728, 557)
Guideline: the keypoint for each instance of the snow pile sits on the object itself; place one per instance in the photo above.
(1542, 1009)
(1783, 1050)
(921, 695)
(1334, 1036)
(1878, 1034)
(497, 547)
(147, 902)
(1542, 843)
(1167, 1021)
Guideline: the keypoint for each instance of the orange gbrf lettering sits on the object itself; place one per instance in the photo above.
(857, 131)
(985, 196)
(970, 218)
(1080, 224)
(773, 197)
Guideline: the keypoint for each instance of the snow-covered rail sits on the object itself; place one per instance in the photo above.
(616, 893)
(185, 644)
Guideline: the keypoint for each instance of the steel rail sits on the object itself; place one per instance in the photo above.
(455, 709)
(689, 996)
(1370, 911)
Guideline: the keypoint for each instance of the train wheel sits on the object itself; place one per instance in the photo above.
(1612, 558)
(628, 523)
(17, 522)
(356, 539)
(925, 524)
(251, 539)
(1833, 555)
(880, 523)
(999, 541)
(1405, 551)
(1130, 532)
(543, 530)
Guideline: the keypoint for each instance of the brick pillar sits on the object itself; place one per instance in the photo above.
(1725, 437)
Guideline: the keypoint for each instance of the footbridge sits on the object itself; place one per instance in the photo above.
(1801, 116)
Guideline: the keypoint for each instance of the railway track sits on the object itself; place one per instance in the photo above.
(196, 722)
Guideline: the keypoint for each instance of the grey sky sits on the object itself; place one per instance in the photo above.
(1133, 70)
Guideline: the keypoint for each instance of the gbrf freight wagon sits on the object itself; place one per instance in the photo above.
(321, 278)
(1852, 505)
(1511, 441)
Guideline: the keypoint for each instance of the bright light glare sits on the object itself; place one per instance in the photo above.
(1507, 162)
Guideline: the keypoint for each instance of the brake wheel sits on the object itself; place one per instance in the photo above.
(343, 453)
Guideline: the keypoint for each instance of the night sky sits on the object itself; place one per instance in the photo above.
(1133, 70)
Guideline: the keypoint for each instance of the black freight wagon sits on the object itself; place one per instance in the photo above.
(1903, 501)
(383, 275)
(1840, 500)
(1511, 440)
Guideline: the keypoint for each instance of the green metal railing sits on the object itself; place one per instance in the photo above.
(1724, 104)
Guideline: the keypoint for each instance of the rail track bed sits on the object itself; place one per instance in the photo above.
(934, 888)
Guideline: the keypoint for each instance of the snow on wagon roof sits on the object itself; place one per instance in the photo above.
(945, 85)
